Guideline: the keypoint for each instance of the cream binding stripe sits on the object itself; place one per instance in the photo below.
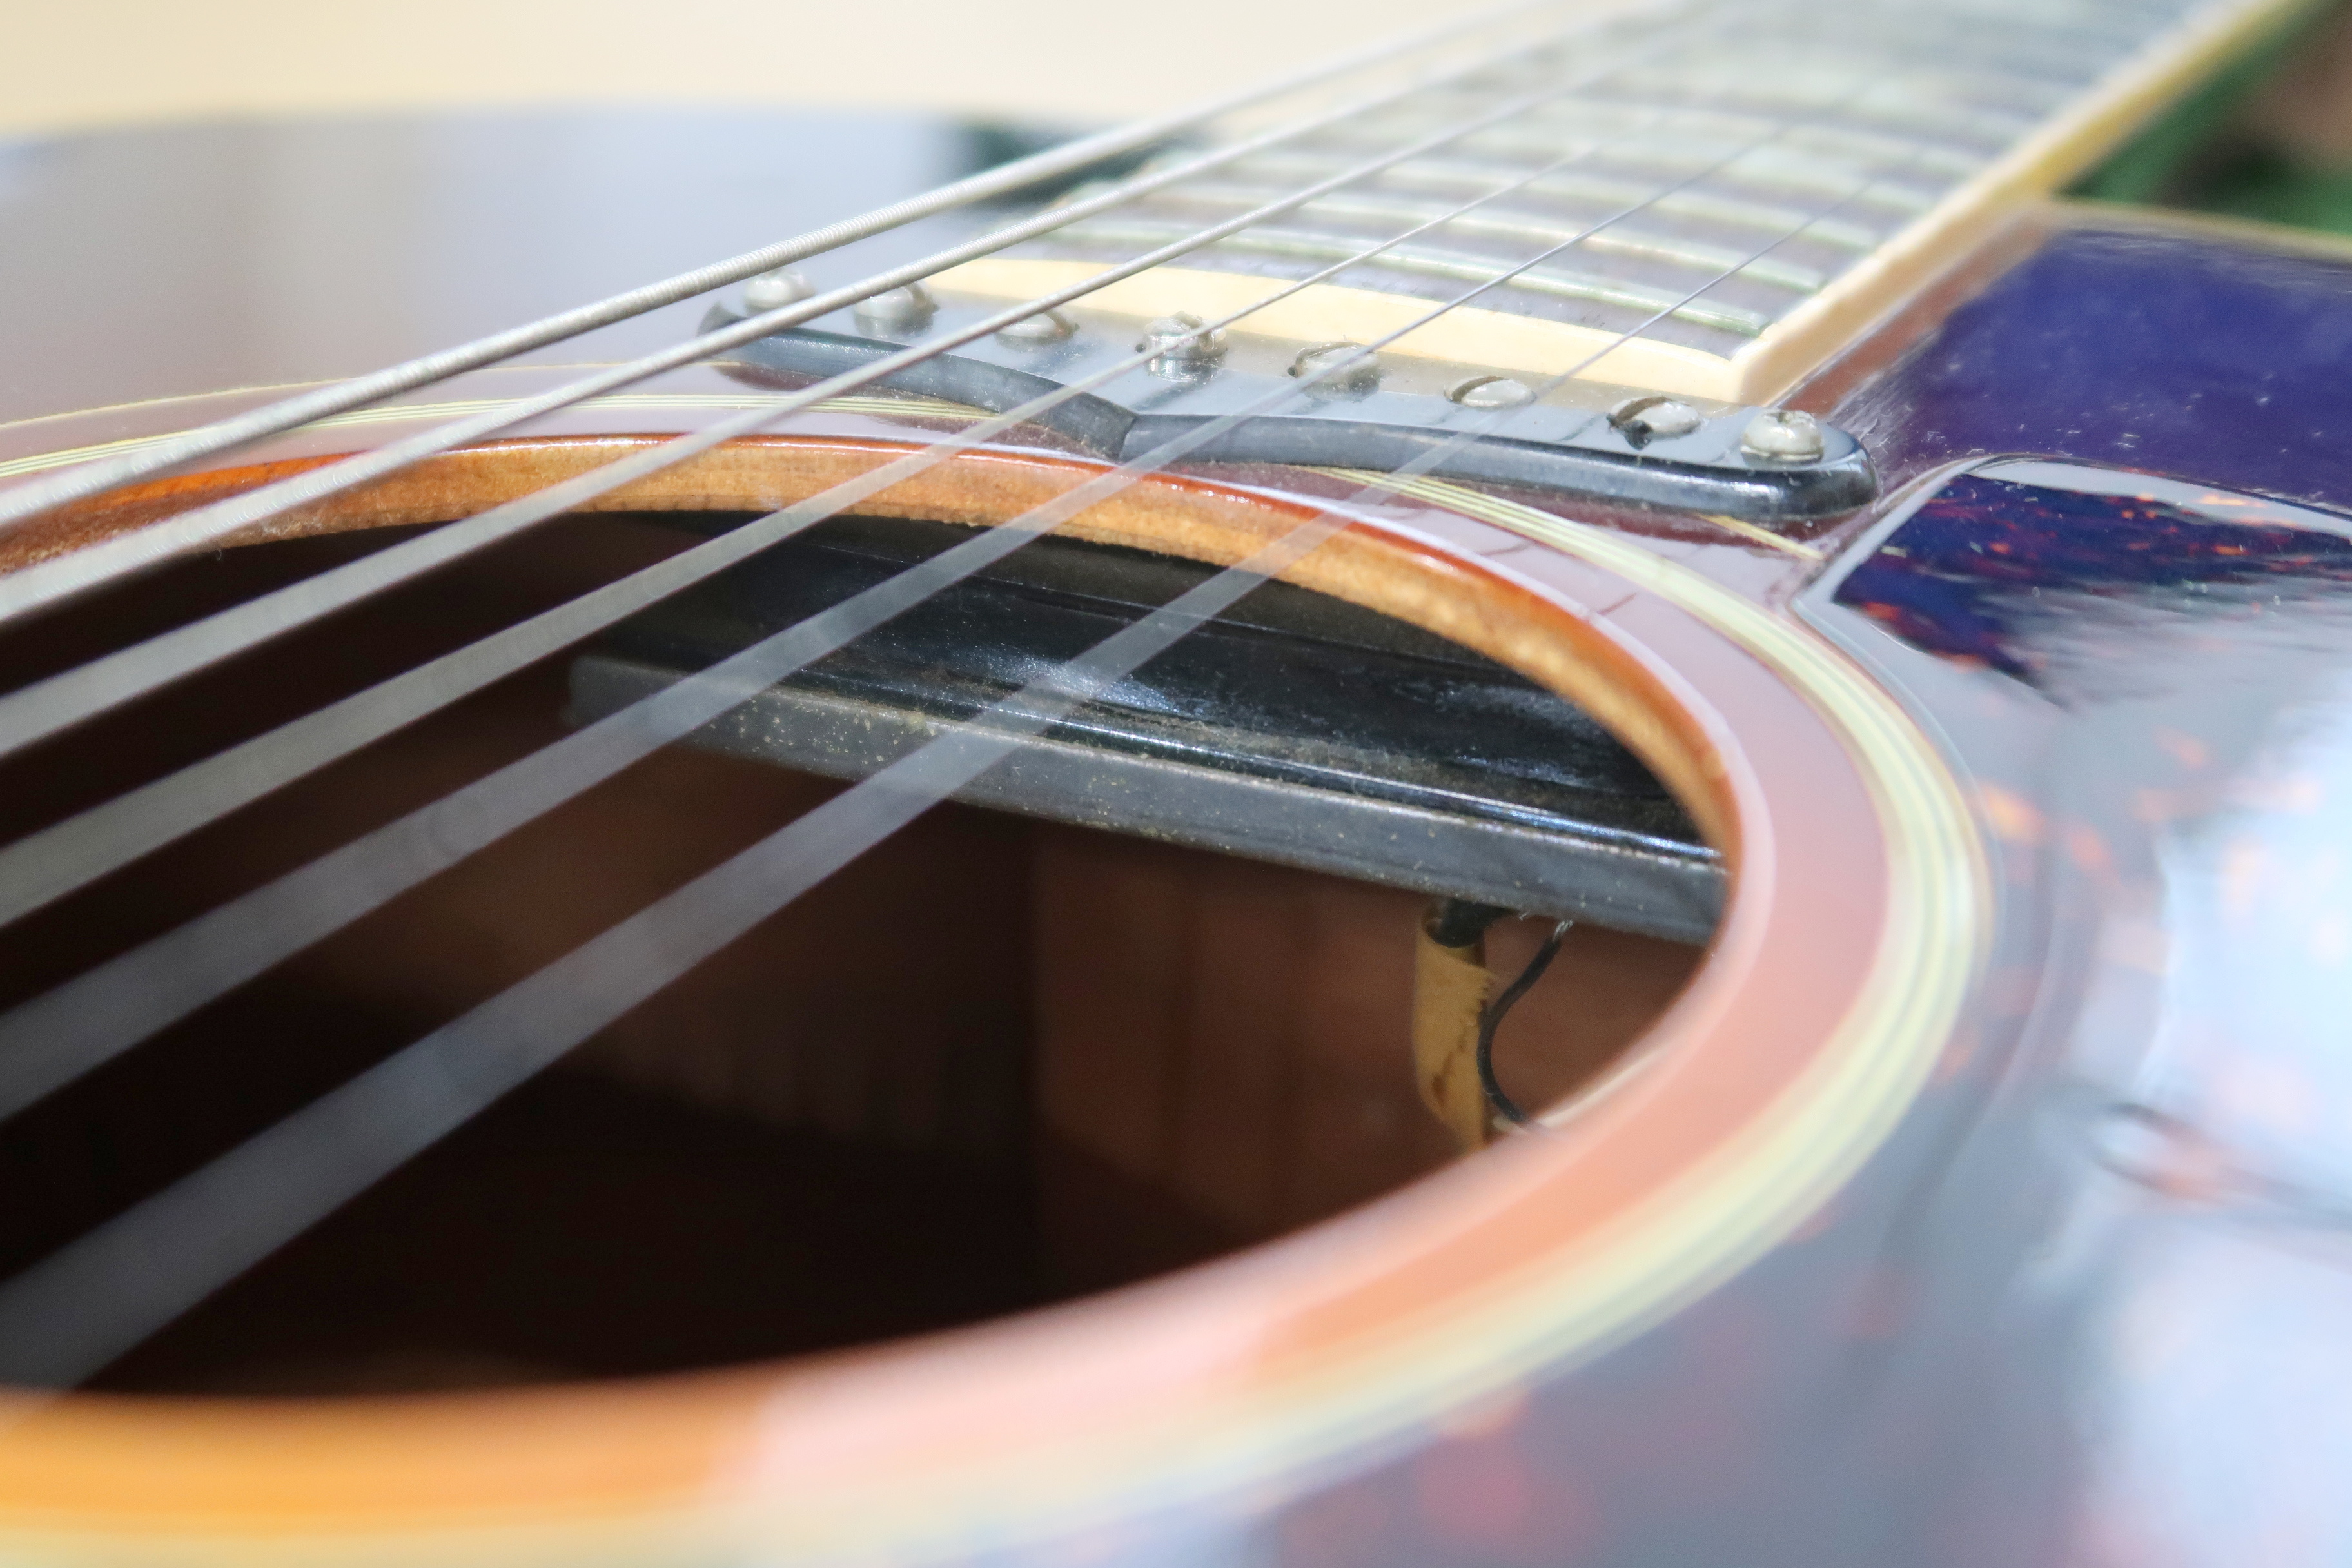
(2044, 161)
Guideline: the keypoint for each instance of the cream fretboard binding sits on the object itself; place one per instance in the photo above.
(1801, 167)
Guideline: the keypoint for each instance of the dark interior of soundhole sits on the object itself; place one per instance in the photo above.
(998, 1062)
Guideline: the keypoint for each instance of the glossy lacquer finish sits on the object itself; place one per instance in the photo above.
(2093, 1304)
(2150, 683)
(2218, 362)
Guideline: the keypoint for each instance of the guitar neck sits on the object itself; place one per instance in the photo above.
(1708, 203)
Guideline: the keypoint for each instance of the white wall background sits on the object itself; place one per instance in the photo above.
(74, 63)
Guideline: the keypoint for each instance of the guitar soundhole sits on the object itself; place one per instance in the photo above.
(1001, 1061)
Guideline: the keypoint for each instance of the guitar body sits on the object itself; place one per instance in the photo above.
(1949, 1163)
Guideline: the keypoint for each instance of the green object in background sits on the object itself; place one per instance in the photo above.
(2264, 185)
(2200, 158)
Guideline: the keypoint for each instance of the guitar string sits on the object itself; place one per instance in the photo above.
(49, 582)
(1010, 179)
(96, 474)
(44, 707)
(45, 582)
(48, 864)
(51, 1038)
(85, 1305)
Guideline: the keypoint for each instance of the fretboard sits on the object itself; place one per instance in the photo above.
(1714, 197)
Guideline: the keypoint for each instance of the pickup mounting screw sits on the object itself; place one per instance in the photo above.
(1783, 435)
(774, 290)
(1036, 332)
(1349, 370)
(1182, 344)
(1490, 392)
(897, 309)
(1642, 420)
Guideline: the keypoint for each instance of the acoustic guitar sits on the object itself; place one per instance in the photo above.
(1575, 791)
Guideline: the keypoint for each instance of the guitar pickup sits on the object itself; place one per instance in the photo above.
(1647, 452)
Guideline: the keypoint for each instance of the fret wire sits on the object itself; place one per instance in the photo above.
(349, 1139)
(1514, 224)
(1800, 174)
(1971, 31)
(1456, 266)
(1950, 88)
(43, 1043)
(1435, 173)
(26, 501)
(46, 582)
(1730, 91)
(38, 711)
